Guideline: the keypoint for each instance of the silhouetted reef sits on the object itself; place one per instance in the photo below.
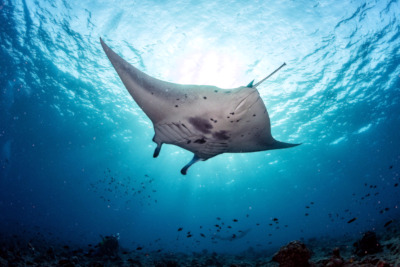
(381, 249)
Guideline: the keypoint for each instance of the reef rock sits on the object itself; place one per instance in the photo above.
(368, 244)
(294, 254)
(108, 247)
(336, 260)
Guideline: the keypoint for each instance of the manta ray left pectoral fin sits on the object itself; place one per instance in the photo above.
(187, 166)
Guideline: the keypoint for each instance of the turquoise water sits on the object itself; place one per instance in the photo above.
(76, 151)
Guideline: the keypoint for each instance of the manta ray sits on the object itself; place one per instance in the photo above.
(203, 119)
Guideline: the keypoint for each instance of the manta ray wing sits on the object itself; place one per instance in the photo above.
(205, 120)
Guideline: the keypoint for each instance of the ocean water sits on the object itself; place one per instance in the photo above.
(76, 151)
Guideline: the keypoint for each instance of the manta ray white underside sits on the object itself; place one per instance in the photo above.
(205, 120)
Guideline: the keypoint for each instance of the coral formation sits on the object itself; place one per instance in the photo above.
(294, 254)
(319, 252)
(368, 244)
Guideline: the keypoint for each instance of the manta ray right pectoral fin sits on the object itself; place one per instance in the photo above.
(187, 166)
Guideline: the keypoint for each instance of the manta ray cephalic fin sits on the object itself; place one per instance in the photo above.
(187, 166)
(157, 151)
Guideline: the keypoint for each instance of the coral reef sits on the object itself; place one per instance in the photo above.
(368, 244)
(294, 254)
(108, 247)
(316, 252)
(336, 260)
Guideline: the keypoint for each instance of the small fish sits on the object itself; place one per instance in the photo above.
(396, 184)
(307, 207)
(306, 214)
(139, 248)
(202, 235)
(235, 220)
(180, 229)
(390, 167)
(387, 223)
(352, 220)
(218, 218)
(275, 219)
(189, 235)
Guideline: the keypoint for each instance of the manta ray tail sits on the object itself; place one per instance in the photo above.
(263, 80)
(187, 166)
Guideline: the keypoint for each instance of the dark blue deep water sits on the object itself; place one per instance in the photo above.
(76, 151)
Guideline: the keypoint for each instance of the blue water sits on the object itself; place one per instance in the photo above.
(76, 151)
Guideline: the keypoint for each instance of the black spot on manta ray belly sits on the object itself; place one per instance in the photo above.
(221, 135)
(200, 141)
(201, 124)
